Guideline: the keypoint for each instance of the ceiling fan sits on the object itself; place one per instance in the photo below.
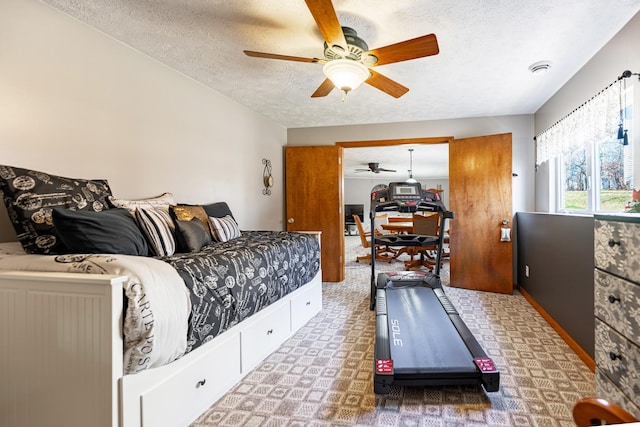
(375, 168)
(347, 58)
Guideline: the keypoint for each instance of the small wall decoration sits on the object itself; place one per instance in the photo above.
(267, 178)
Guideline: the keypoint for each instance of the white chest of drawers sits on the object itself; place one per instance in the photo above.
(617, 309)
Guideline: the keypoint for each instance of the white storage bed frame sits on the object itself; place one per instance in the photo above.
(61, 355)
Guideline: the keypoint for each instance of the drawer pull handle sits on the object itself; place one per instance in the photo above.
(269, 332)
(613, 299)
(612, 243)
(614, 356)
(201, 383)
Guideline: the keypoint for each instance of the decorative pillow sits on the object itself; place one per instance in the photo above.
(113, 231)
(192, 235)
(218, 210)
(188, 212)
(154, 223)
(31, 195)
(225, 228)
(164, 200)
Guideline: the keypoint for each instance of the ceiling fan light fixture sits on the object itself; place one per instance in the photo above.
(345, 74)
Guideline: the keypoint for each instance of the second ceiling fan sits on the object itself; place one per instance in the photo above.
(347, 58)
(375, 168)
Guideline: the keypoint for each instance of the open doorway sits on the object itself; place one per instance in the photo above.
(428, 163)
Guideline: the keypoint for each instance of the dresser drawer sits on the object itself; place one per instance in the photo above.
(617, 248)
(617, 303)
(263, 333)
(604, 387)
(305, 305)
(619, 360)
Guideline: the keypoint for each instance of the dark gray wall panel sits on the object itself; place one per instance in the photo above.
(559, 252)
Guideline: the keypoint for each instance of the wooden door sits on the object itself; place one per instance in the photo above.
(480, 175)
(313, 180)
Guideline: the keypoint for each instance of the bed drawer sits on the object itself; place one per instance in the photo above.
(263, 333)
(182, 397)
(305, 305)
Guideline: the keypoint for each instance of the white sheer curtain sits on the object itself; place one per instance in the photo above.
(595, 120)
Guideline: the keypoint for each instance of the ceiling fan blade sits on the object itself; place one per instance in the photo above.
(386, 85)
(327, 22)
(408, 49)
(284, 57)
(387, 170)
(325, 88)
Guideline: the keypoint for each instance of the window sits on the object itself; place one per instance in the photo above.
(598, 177)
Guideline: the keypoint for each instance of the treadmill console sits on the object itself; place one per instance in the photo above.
(402, 196)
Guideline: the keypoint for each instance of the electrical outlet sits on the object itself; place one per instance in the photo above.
(526, 271)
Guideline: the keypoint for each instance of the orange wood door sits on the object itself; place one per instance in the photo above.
(480, 178)
(313, 180)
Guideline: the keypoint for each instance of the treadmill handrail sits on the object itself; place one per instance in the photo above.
(422, 204)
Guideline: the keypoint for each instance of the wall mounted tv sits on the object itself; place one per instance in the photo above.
(350, 210)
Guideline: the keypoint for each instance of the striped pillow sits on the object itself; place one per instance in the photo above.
(155, 225)
(225, 228)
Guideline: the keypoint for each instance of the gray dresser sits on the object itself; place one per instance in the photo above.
(617, 309)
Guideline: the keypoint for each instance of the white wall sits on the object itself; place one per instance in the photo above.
(520, 126)
(619, 54)
(77, 103)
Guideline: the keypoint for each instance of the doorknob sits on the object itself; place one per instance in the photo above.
(290, 221)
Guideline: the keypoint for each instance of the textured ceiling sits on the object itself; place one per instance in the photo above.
(486, 47)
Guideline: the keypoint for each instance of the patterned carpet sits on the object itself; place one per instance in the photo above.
(323, 375)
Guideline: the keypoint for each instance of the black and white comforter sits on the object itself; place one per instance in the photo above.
(230, 281)
(225, 284)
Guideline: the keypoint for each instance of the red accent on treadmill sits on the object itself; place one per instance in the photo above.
(485, 364)
(384, 366)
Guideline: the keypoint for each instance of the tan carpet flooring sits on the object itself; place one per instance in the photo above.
(323, 376)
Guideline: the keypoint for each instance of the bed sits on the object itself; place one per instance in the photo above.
(123, 339)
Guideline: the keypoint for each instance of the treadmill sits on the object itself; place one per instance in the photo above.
(420, 337)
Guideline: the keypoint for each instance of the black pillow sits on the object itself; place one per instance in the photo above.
(30, 196)
(113, 231)
(192, 235)
(218, 210)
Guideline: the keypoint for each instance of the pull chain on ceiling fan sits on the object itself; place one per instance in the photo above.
(347, 58)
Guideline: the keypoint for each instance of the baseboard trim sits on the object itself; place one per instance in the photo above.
(588, 360)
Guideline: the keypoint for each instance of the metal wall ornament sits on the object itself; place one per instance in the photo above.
(267, 178)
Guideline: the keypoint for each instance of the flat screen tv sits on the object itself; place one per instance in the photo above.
(350, 210)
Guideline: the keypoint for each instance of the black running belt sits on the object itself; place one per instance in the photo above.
(422, 338)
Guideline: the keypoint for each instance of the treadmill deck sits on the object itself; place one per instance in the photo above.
(422, 340)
